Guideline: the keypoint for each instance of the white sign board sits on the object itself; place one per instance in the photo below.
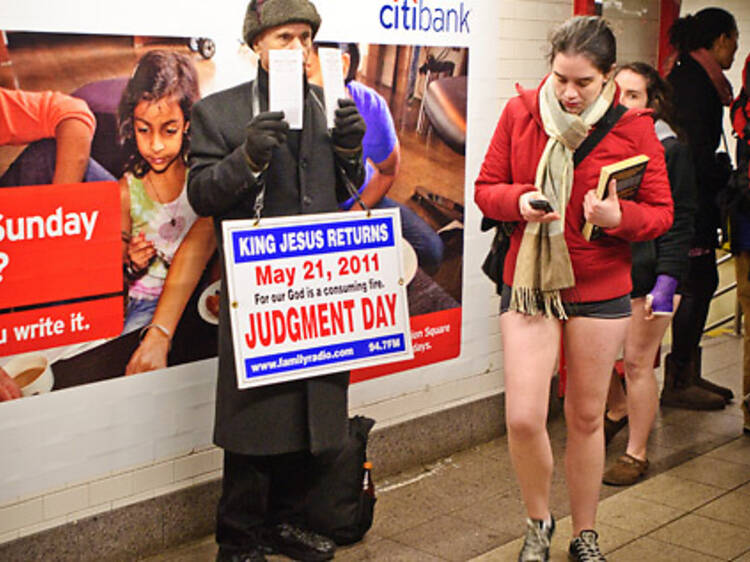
(315, 294)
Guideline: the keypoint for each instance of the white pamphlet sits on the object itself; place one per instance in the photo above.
(285, 85)
(332, 69)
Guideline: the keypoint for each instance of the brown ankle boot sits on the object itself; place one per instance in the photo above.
(697, 364)
(679, 392)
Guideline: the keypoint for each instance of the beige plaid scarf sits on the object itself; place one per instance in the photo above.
(543, 266)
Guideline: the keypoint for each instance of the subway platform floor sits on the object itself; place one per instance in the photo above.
(694, 504)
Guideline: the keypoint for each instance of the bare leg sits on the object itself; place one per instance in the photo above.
(530, 345)
(617, 406)
(641, 345)
(591, 346)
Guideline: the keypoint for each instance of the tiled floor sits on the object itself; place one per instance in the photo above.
(694, 506)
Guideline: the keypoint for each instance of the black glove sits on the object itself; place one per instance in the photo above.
(264, 132)
(349, 126)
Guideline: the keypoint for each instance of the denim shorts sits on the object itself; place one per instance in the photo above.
(619, 307)
(139, 314)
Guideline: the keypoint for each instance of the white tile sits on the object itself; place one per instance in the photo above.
(130, 500)
(111, 488)
(207, 477)
(67, 501)
(171, 488)
(153, 477)
(7, 537)
(198, 463)
(43, 526)
(90, 512)
(507, 8)
(21, 514)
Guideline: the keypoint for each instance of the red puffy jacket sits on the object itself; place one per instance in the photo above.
(601, 267)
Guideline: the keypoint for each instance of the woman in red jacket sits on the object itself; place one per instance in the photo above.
(556, 282)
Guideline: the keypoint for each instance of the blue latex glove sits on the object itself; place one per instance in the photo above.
(660, 300)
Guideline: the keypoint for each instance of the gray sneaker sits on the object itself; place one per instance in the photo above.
(538, 538)
(585, 548)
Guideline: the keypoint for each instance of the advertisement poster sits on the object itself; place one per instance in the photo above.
(413, 98)
(60, 270)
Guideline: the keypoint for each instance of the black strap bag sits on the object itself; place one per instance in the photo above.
(342, 502)
(495, 260)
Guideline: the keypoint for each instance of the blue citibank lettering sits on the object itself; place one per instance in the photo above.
(416, 15)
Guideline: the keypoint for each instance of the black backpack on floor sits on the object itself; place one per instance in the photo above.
(337, 506)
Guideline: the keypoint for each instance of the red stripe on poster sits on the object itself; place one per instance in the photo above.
(42, 328)
(435, 337)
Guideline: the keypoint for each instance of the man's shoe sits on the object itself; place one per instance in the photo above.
(626, 471)
(538, 538)
(585, 548)
(301, 544)
(613, 427)
(746, 413)
(253, 554)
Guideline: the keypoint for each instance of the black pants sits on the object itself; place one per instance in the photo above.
(690, 318)
(261, 491)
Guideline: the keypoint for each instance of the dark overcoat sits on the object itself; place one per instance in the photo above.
(699, 113)
(309, 414)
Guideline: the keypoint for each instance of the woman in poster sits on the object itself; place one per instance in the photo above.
(556, 283)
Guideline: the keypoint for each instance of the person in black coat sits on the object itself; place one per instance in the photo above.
(272, 435)
(706, 43)
(658, 267)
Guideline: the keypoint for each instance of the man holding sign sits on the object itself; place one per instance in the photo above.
(247, 161)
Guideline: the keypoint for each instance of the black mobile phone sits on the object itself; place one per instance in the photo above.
(541, 205)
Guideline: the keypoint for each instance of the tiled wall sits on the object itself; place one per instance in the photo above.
(636, 26)
(79, 501)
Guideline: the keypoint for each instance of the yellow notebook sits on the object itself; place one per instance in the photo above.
(629, 174)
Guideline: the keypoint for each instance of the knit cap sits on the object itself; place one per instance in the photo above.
(265, 14)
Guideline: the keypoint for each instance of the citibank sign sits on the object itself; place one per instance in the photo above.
(422, 15)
